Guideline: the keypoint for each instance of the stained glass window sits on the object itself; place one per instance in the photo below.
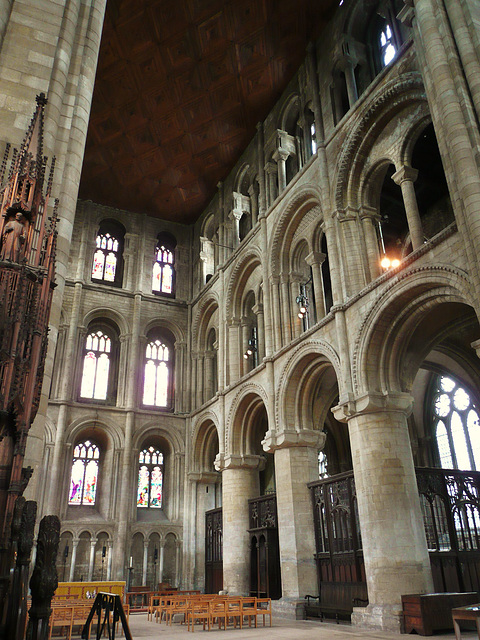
(157, 374)
(388, 50)
(84, 478)
(96, 366)
(456, 426)
(105, 257)
(163, 274)
(150, 478)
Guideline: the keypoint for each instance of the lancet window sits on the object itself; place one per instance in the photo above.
(150, 478)
(163, 273)
(96, 365)
(107, 259)
(157, 388)
(84, 476)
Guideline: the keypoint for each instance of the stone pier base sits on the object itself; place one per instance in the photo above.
(290, 608)
(385, 617)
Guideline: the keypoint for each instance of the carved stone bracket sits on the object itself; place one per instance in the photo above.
(291, 438)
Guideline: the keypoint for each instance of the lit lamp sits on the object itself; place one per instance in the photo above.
(302, 302)
(386, 263)
(251, 349)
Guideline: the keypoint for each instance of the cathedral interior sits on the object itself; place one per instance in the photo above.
(262, 372)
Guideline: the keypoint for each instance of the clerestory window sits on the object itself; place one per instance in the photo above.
(84, 476)
(163, 272)
(107, 264)
(99, 363)
(158, 370)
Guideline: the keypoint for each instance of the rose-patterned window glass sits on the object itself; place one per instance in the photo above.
(84, 477)
(456, 426)
(150, 478)
(163, 270)
(157, 374)
(105, 258)
(96, 365)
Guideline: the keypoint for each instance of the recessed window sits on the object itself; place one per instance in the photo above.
(163, 272)
(158, 368)
(388, 50)
(150, 478)
(96, 365)
(107, 259)
(456, 425)
(84, 477)
(322, 465)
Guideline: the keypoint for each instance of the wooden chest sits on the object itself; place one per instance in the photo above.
(426, 613)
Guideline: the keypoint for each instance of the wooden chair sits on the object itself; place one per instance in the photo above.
(218, 612)
(62, 616)
(249, 610)
(234, 611)
(264, 608)
(200, 612)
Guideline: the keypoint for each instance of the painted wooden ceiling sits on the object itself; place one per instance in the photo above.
(180, 87)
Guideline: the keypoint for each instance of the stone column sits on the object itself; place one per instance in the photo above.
(258, 311)
(200, 380)
(73, 560)
(262, 193)
(178, 562)
(281, 158)
(349, 70)
(295, 322)
(246, 333)
(394, 545)
(315, 259)
(162, 560)
(240, 482)
(405, 177)
(91, 561)
(271, 174)
(276, 313)
(209, 360)
(370, 220)
(296, 464)
(109, 559)
(145, 562)
(285, 317)
(234, 350)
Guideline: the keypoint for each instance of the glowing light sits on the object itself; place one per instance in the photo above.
(395, 262)
(385, 263)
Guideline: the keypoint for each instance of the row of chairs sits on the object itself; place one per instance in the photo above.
(211, 609)
(72, 613)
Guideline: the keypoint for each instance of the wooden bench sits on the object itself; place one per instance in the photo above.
(337, 600)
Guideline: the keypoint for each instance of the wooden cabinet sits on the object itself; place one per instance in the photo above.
(426, 613)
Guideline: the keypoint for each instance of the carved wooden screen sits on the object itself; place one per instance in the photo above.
(213, 551)
(340, 568)
(265, 575)
(450, 503)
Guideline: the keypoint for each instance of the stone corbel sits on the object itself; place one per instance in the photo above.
(230, 461)
(374, 402)
(407, 13)
(287, 438)
(346, 215)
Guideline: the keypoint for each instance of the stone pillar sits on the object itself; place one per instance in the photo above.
(178, 563)
(370, 220)
(91, 561)
(73, 560)
(262, 194)
(394, 545)
(285, 317)
(209, 374)
(315, 259)
(405, 177)
(240, 482)
(349, 70)
(162, 560)
(200, 379)
(276, 313)
(296, 464)
(234, 217)
(109, 559)
(271, 176)
(281, 158)
(295, 322)
(258, 311)
(145, 562)
(234, 350)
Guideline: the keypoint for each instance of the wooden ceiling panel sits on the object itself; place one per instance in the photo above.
(180, 87)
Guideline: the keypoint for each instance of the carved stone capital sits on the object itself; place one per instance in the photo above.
(405, 174)
(374, 402)
(287, 438)
(315, 257)
(407, 13)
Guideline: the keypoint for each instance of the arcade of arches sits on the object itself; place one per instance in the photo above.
(267, 401)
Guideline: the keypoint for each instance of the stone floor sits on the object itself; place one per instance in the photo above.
(281, 629)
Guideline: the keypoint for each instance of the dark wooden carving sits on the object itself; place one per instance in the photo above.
(265, 576)
(213, 551)
(27, 265)
(44, 580)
